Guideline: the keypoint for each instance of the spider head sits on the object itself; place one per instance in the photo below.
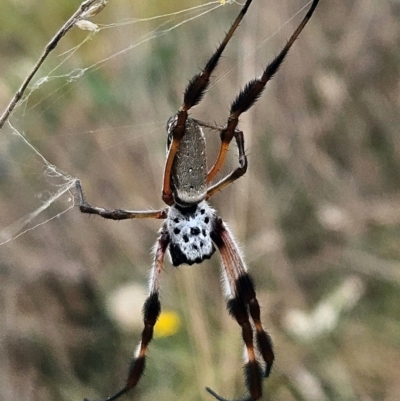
(190, 230)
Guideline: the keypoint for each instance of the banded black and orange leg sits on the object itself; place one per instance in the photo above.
(235, 174)
(251, 93)
(151, 311)
(242, 305)
(253, 372)
(245, 287)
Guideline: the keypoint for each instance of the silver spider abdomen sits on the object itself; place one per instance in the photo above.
(189, 171)
(189, 230)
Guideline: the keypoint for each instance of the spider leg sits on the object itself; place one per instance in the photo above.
(235, 174)
(251, 93)
(194, 92)
(245, 286)
(209, 125)
(242, 305)
(253, 373)
(151, 311)
(116, 214)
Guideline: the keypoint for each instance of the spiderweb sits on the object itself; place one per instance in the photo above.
(37, 189)
(58, 183)
(96, 110)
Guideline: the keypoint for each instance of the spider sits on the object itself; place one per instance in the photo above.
(192, 230)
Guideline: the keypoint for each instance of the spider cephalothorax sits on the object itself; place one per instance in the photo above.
(189, 170)
(192, 230)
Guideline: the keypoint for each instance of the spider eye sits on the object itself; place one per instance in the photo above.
(186, 238)
(207, 220)
(177, 231)
(176, 220)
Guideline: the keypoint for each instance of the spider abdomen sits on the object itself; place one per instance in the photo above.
(190, 230)
(189, 171)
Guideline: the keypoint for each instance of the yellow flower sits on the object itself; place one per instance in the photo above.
(167, 324)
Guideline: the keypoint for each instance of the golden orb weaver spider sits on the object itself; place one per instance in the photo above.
(192, 230)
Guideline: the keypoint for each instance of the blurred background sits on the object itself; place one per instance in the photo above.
(317, 214)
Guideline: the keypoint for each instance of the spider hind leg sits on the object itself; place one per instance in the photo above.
(245, 287)
(243, 306)
(151, 312)
(253, 372)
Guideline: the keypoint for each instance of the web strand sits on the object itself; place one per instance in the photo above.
(22, 99)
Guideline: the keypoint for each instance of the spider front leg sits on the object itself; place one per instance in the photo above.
(242, 305)
(116, 214)
(252, 92)
(245, 287)
(151, 312)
